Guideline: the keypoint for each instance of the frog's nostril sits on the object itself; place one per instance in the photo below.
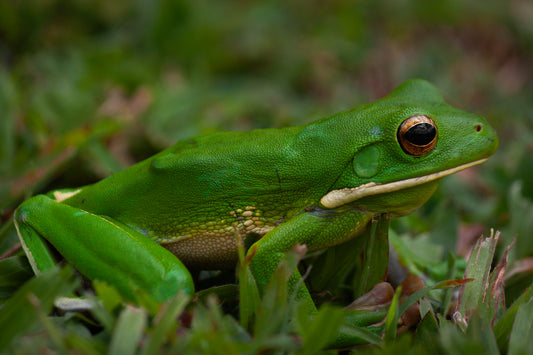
(478, 127)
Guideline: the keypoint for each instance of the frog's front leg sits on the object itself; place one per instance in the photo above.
(317, 229)
(100, 248)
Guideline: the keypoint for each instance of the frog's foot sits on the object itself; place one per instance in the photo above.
(369, 311)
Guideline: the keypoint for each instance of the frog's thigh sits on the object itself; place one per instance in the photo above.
(100, 248)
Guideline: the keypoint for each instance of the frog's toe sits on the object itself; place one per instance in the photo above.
(174, 282)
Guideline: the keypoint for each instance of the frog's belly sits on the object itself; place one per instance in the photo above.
(205, 252)
(209, 251)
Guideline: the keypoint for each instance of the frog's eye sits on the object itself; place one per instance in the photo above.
(417, 135)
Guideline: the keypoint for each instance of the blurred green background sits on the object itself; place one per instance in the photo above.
(89, 87)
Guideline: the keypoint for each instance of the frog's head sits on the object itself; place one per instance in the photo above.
(405, 143)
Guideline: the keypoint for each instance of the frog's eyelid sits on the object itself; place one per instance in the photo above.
(341, 197)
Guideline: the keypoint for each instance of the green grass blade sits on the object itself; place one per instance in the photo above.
(391, 322)
(128, 331)
(522, 333)
(479, 330)
(165, 320)
(321, 330)
(478, 269)
(14, 271)
(503, 327)
(18, 314)
(375, 257)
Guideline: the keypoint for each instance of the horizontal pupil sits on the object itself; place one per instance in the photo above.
(421, 134)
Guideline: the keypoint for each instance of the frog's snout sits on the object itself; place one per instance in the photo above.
(488, 135)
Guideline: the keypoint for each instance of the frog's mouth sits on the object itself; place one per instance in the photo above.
(341, 197)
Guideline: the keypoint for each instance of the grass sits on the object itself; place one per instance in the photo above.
(92, 87)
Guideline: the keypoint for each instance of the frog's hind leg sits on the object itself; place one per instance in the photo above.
(100, 248)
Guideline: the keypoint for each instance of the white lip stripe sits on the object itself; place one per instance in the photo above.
(340, 197)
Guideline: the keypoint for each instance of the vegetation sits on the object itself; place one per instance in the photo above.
(90, 87)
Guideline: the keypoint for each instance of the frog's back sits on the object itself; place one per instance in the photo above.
(194, 196)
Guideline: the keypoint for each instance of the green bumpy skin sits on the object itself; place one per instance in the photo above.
(317, 184)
